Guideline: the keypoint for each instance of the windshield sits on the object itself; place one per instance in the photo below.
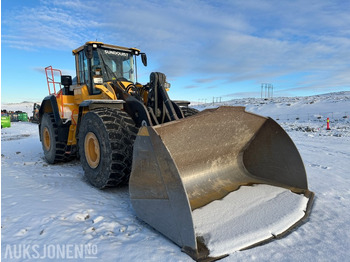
(114, 64)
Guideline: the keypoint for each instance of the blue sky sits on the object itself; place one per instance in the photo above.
(206, 48)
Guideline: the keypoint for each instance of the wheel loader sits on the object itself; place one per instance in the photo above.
(177, 161)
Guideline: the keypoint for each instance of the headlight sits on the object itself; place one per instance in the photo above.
(166, 85)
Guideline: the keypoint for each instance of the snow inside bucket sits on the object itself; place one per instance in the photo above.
(247, 216)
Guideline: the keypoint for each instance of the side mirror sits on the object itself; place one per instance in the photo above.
(144, 59)
(66, 80)
(88, 51)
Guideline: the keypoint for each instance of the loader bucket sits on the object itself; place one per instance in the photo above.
(247, 164)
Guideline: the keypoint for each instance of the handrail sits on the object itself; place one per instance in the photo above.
(50, 78)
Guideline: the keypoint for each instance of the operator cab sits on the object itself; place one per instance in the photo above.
(98, 63)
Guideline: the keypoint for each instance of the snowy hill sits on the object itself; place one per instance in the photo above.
(333, 105)
(50, 212)
(308, 113)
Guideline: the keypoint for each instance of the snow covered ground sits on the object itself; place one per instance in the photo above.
(50, 212)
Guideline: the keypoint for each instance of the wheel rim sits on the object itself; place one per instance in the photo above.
(47, 139)
(92, 150)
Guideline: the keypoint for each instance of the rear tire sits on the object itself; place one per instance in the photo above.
(54, 151)
(189, 111)
(106, 138)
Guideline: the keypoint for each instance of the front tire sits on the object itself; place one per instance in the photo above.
(106, 138)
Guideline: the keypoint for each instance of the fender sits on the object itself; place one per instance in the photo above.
(49, 105)
(96, 103)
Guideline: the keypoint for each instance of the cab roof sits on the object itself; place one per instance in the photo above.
(100, 44)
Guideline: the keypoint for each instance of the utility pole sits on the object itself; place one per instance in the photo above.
(268, 88)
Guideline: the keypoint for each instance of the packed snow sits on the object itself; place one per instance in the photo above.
(51, 212)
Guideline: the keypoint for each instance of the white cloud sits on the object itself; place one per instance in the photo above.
(233, 40)
(48, 25)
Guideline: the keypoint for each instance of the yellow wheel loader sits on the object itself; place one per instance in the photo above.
(177, 161)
